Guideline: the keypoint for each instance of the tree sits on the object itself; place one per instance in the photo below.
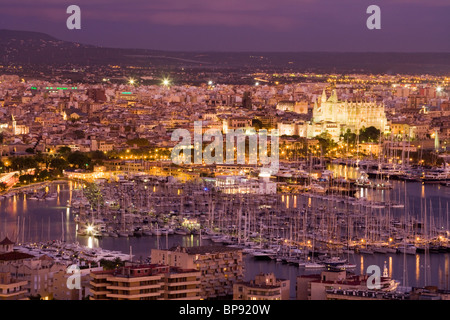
(140, 142)
(26, 178)
(370, 134)
(98, 155)
(326, 142)
(23, 163)
(79, 159)
(111, 265)
(349, 137)
(44, 174)
(64, 151)
(59, 164)
(257, 124)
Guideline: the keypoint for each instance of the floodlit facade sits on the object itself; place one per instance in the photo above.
(336, 116)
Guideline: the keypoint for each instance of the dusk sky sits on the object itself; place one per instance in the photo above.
(240, 25)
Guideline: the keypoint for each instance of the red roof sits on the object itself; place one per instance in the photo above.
(15, 255)
(6, 242)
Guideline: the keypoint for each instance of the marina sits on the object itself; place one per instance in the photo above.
(286, 234)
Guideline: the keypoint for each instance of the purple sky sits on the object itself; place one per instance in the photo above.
(240, 25)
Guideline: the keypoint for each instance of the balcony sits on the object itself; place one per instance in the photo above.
(98, 284)
(153, 286)
(186, 298)
(134, 296)
(184, 291)
(100, 292)
(187, 283)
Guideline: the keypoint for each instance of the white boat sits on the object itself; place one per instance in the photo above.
(437, 175)
(391, 250)
(380, 249)
(334, 260)
(366, 251)
(363, 181)
(123, 234)
(181, 231)
(313, 265)
(264, 254)
(408, 249)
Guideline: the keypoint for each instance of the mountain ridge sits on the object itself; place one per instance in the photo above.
(37, 48)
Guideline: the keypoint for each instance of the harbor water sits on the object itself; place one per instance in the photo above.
(22, 218)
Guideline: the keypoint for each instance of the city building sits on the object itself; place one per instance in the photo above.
(320, 286)
(336, 116)
(11, 289)
(60, 289)
(37, 272)
(145, 282)
(264, 287)
(220, 267)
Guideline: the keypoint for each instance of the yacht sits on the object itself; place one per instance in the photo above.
(437, 175)
(408, 249)
(363, 181)
(313, 265)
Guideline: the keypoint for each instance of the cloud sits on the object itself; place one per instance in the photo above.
(229, 13)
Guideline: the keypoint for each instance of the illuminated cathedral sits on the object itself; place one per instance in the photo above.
(336, 117)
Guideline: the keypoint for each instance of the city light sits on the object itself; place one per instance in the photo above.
(134, 157)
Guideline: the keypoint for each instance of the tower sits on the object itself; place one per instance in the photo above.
(247, 100)
(324, 96)
(14, 124)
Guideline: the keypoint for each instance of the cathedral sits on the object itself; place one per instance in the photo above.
(18, 129)
(336, 117)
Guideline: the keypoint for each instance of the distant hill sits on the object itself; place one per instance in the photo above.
(34, 49)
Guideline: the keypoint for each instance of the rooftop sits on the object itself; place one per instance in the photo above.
(6, 242)
(15, 255)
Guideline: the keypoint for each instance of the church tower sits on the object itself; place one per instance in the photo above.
(324, 96)
(333, 97)
(14, 125)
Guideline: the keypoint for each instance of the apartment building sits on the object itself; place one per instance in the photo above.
(11, 289)
(145, 282)
(37, 272)
(61, 291)
(220, 267)
(264, 287)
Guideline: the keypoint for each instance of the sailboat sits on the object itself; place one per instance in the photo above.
(312, 264)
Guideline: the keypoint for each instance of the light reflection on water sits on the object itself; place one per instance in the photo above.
(45, 220)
